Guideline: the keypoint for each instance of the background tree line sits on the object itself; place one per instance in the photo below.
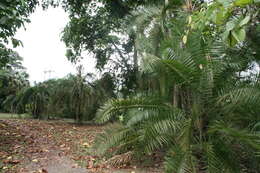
(75, 96)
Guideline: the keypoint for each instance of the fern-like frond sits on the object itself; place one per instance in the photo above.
(114, 106)
(180, 161)
(242, 136)
(121, 159)
(114, 139)
(219, 157)
(235, 98)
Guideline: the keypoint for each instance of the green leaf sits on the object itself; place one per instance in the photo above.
(221, 16)
(229, 38)
(239, 35)
(225, 3)
(244, 21)
(2, 6)
(15, 42)
(243, 2)
(3, 20)
(230, 25)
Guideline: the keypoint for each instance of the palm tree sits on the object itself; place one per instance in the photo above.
(35, 99)
(207, 126)
(80, 92)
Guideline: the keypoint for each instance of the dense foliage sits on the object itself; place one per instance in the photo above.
(13, 15)
(179, 77)
(13, 76)
(75, 97)
(202, 110)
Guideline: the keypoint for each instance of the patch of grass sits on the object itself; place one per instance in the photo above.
(14, 116)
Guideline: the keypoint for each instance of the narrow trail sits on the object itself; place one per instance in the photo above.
(40, 153)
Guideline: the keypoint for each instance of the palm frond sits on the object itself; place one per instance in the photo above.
(121, 159)
(114, 106)
(180, 161)
(242, 136)
(114, 139)
(235, 98)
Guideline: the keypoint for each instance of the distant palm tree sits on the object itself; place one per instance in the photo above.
(35, 99)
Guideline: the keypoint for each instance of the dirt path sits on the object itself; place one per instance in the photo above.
(35, 151)
(32, 146)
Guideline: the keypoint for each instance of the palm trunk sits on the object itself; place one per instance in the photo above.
(175, 96)
(136, 70)
(78, 109)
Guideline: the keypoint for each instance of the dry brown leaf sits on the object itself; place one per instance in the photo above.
(35, 160)
(44, 171)
(90, 164)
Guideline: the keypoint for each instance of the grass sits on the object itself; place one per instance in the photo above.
(13, 116)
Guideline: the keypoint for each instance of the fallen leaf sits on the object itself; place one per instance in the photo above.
(44, 171)
(35, 160)
(90, 164)
(86, 144)
(17, 146)
(5, 167)
(75, 166)
(14, 161)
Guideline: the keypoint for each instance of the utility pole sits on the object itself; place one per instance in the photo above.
(48, 74)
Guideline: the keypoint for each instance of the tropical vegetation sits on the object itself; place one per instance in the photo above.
(178, 77)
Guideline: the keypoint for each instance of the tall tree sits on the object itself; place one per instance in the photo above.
(13, 76)
(101, 28)
(13, 15)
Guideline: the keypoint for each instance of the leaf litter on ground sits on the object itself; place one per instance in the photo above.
(30, 145)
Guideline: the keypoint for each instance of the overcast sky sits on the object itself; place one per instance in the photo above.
(43, 50)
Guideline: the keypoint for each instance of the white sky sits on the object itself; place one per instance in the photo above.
(42, 49)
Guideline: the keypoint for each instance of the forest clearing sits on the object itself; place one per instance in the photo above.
(130, 86)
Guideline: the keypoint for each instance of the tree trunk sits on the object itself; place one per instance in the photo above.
(138, 81)
(78, 110)
(175, 96)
